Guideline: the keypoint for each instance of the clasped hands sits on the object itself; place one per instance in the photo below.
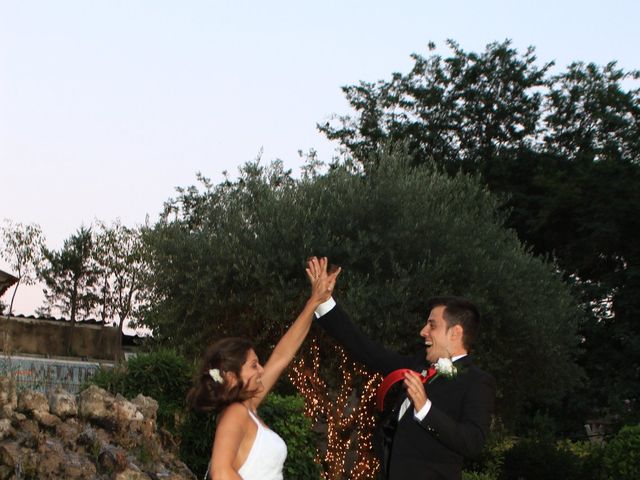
(322, 282)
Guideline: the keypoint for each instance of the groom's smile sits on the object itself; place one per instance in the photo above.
(435, 334)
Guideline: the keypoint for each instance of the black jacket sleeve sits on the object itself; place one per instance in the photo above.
(339, 326)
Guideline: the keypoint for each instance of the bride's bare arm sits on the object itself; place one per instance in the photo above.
(229, 435)
(322, 284)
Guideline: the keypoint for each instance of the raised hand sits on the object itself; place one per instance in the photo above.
(322, 282)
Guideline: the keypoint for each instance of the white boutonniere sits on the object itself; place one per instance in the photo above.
(214, 373)
(446, 368)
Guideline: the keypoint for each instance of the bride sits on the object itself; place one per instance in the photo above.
(232, 382)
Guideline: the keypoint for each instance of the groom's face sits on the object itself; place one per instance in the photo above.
(437, 336)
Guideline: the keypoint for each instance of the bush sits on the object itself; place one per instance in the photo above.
(489, 465)
(621, 459)
(283, 414)
(532, 458)
(477, 476)
(229, 258)
(196, 440)
(163, 375)
(589, 454)
(109, 378)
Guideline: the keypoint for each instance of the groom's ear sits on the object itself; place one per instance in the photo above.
(457, 332)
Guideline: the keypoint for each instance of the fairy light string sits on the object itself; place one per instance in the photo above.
(347, 413)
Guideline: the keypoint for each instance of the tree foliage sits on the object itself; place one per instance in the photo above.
(562, 150)
(118, 255)
(228, 260)
(21, 248)
(70, 277)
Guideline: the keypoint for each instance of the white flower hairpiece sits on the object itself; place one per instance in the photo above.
(214, 373)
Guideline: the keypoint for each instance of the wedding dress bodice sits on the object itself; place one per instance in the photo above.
(266, 457)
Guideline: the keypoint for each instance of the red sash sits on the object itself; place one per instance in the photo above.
(395, 377)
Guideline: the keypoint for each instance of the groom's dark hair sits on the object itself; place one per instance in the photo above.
(459, 311)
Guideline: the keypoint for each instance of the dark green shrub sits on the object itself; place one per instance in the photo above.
(283, 414)
(196, 440)
(621, 459)
(109, 378)
(533, 459)
(489, 465)
(163, 375)
(477, 476)
(589, 455)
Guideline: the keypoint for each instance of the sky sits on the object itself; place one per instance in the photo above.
(106, 106)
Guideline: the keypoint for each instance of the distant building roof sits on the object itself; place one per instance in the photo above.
(86, 321)
(126, 339)
(6, 280)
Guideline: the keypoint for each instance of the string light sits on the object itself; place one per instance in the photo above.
(349, 427)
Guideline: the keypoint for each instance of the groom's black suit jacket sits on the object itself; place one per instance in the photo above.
(456, 425)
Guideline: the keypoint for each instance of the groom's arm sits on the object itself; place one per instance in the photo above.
(334, 320)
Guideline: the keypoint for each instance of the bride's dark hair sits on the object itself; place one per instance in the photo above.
(226, 355)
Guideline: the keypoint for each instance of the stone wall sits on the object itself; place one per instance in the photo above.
(93, 435)
(57, 338)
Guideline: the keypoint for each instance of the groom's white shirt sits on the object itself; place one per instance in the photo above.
(326, 307)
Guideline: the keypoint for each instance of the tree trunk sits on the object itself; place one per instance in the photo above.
(14, 296)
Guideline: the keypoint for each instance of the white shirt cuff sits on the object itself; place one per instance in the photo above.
(325, 307)
(423, 411)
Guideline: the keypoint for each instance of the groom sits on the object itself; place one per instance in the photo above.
(437, 425)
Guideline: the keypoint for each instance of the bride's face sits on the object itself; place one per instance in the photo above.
(251, 373)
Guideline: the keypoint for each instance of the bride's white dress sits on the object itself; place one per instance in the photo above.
(267, 455)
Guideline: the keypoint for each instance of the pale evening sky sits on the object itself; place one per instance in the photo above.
(107, 105)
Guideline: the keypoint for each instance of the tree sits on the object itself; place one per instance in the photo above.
(70, 277)
(562, 150)
(227, 260)
(457, 111)
(120, 268)
(22, 246)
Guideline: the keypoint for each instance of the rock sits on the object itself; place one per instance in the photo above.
(125, 411)
(50, 459)
(68, 432)
(30, 401)
(28, 467)
(46, 419)
(9, 454)
(110, 437)
(112, 459)
(96, 404)
(63, 404)
(6, 430)
(8, 396)
(6, 411)
(90, 439)
(29, 432)
(18, 417)
(77, 467)
(147, 406)
(132, 474)
(6, 472)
